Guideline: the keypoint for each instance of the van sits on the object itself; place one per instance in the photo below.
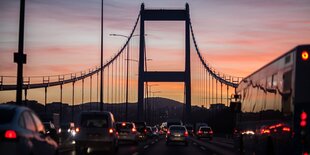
(96, 132)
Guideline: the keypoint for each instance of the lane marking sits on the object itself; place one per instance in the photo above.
(203, 148)
(146, 146)
(195, 143)
(136, 153)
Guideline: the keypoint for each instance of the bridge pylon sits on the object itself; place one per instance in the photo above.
(167, 76)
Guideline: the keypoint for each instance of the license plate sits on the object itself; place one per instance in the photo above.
(178, 135)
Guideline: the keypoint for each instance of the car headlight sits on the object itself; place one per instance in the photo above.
(73, 133)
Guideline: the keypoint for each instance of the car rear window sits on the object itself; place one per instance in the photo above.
(94, 121)
(126, 126)
(177, 128)
(6, 115)
(205, 129)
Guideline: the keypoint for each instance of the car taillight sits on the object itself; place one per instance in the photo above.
(199, 132)
(145, 130)
(77, 130)
(111, 131)
(211, 132)
(286, 129)
(168, 132)
(185, 133)
(133, 130)
(265, 131)
(10, 134)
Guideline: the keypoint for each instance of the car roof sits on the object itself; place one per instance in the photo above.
(18, 110)
(176, 126)
(205, 127)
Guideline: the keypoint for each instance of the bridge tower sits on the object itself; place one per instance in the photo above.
(167, 76)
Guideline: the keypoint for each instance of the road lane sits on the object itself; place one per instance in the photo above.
(160, 148)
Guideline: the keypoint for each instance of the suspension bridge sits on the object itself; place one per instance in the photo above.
(208, 82)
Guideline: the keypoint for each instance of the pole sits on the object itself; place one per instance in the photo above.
(101, 62)
(127, 67)
(20, 57)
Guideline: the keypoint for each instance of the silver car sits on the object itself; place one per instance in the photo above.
(177, 133)
(96, 132)
(127, 131)
(22, 133)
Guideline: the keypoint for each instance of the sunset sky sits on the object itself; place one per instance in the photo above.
(236, 37)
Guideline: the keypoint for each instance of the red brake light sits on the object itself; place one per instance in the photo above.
(111, 131)
(304, 55)
(265, 131)
(77, 130)
(145, 130)
(303, 117)
(211, 132)
(133, 129)
(168, 132)
(185, 133)
(123, 124)
(199, 132)
(10, 134)
(286, 129)
(303, 123)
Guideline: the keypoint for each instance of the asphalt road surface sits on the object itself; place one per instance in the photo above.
(159, 147)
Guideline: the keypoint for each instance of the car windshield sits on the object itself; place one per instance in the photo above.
(94, 121)
(6, 115)
(177, 128)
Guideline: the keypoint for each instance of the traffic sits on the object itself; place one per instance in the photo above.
(23, 133)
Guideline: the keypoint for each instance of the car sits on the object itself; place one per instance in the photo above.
(204, 132)
(149, 132)
(141, 128)
(96, 132)
(127, 131)
(177, 133)
(66, 133)
(51, 130)
(155, 131)
(22, 133)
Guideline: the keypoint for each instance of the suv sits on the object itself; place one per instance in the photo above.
(96, 132)
(205, 132)
(177, 133)
(127, 131)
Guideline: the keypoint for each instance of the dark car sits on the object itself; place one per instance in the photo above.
(205, 132)
(22, 133)
(51, 130)
(96, 132)
(177, 133)
(141, 128)
(127, 131)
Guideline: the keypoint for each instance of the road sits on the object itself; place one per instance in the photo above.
(158, 147)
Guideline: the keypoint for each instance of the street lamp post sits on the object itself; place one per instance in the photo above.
(101, 61)
(148, 108)
(20, 57)
(127, 67)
